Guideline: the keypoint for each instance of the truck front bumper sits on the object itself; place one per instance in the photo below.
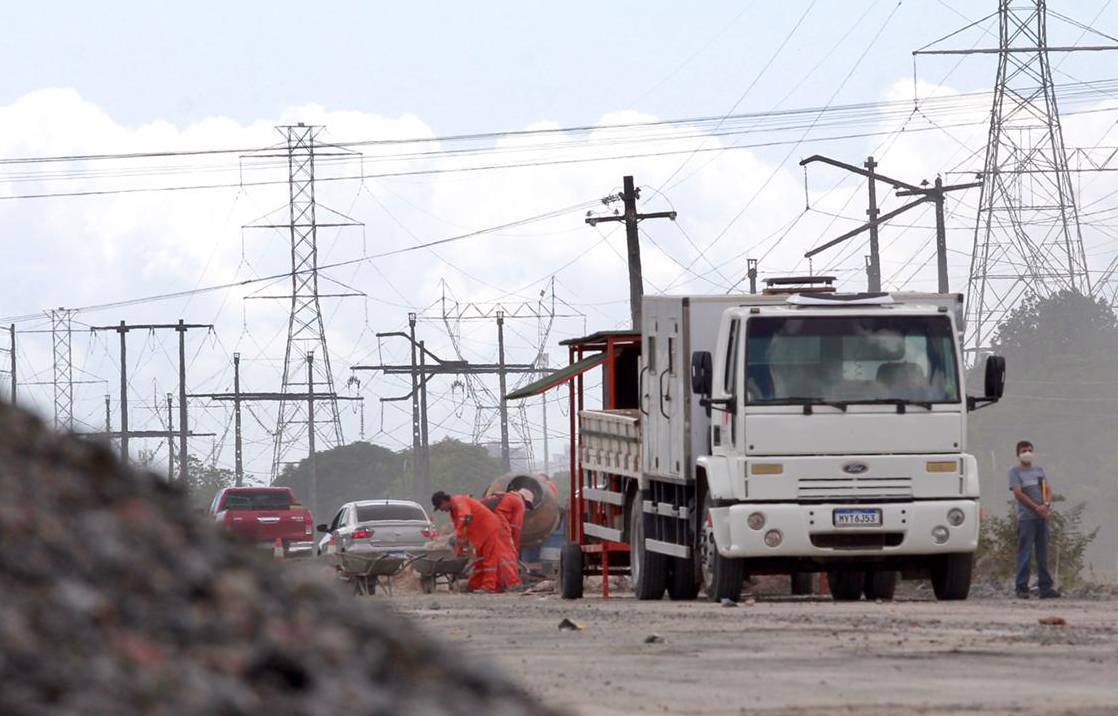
(808, 530)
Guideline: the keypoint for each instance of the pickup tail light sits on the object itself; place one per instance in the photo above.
(363, 533)
(429, 533)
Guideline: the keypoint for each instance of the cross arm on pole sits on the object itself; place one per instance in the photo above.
(948, 187)
(896, 183)
(865, 227)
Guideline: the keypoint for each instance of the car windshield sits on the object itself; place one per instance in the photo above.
(850, 359)
(377, 513)
(271, 500)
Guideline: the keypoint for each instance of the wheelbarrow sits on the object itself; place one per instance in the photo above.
(366, 571)
(438, 567)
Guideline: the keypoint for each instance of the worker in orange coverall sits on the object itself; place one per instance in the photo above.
(511, 506)
(496, 567)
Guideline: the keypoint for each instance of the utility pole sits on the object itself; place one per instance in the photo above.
(751, 272)
(874, 282)
(310, 434)
(506, 460)
(239, 398)
(543, 397)
(924, 194)
(11, 351)
(421, 372)
(123, 329)
(629, 196)
(170, 439)
(238, 453)
(108, 416)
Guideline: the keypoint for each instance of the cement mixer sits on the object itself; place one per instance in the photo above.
(544, 518)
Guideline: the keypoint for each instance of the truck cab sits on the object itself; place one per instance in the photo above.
(838, 443)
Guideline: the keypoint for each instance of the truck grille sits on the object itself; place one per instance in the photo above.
(854, 488)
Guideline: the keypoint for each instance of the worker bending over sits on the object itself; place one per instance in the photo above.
(495, 568)
(511, 506)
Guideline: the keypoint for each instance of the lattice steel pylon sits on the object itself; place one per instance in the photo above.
(1027, 237)
(306, 332)
(63, 381)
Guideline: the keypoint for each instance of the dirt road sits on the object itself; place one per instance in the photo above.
(789, 656)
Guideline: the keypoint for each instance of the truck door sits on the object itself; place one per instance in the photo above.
(724, 424)
(662, 393)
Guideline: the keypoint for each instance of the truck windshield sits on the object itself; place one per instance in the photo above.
(850, 359)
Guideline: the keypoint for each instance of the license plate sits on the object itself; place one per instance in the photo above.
(857, 518)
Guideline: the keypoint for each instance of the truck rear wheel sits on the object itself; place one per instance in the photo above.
(880, 584)
(648, 570)
(846, 586)
(723, 577)
(951, 575)
(570, 571)
(803, 583)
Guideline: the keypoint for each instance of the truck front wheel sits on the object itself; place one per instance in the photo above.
(723, 577)
(648, 570)
(951, 574)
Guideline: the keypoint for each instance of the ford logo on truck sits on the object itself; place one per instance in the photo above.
(855, 468)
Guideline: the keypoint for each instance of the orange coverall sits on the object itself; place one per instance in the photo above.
(496, 566)
(511, 506)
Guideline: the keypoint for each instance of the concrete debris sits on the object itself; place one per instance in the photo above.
(654, 639)
(1053, 621)
(118, 599)
(568, 625)
(727, 602)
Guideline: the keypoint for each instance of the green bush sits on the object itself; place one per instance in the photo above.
(1067, 544)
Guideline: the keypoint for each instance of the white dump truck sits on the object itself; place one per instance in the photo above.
(792, 432)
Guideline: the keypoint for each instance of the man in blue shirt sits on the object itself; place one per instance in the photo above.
(1029, 485)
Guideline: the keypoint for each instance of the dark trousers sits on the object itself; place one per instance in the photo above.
(1032, 535)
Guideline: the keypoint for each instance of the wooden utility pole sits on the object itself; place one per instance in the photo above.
(122, 329)
(751, 272)
(632, 218)
(238, 452)
(170, 439)
(12, 359)
(934, 194)
(874, 267)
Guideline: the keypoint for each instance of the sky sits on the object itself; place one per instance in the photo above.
(125, 77)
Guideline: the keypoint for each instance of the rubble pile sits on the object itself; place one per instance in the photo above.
(117, 599)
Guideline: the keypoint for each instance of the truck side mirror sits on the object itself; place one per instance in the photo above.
(702, 373)
(995, 377)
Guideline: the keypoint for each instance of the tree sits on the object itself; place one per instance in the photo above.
(456, 467)
(358, 471)
(203, 481)
(1062, 394)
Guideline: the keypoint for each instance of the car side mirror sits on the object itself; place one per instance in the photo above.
(995, 377)
(702, 373)
(322, 528)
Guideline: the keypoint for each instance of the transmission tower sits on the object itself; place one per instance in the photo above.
(306, 333)
(1027, 238)
(63, 369)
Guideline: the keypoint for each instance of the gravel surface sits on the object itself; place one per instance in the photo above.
(117, 599)
(801, 656)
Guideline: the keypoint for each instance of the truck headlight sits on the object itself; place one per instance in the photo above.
(956, 517)
(755, 521)
(940, 534)
(773, 538)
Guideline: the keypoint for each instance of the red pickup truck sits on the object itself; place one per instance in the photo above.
(265, 514)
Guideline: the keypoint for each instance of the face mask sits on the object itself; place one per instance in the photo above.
(1026, 456)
